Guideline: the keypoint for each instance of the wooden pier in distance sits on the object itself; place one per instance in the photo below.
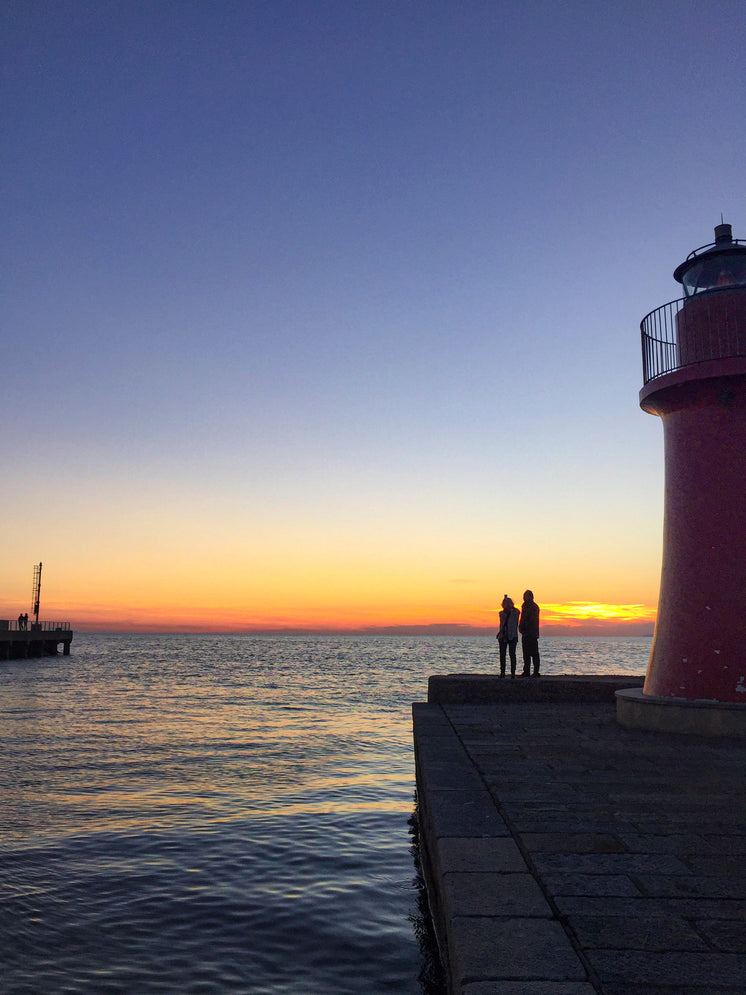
(38, 639)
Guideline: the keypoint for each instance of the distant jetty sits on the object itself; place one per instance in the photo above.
(39, 639)
(21, 639)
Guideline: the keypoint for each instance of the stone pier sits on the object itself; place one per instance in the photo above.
(568, 855)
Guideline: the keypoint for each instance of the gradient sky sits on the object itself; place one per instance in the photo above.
(326, 314)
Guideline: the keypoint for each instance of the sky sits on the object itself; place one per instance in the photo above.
(325, 315)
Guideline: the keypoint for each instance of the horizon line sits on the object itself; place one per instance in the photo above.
(606, 628)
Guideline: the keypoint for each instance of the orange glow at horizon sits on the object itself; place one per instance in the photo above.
(577, 612)
(210, 618)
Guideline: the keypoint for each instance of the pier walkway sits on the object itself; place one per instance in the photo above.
(567, 855)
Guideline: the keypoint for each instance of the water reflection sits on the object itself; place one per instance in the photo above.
(239, 825)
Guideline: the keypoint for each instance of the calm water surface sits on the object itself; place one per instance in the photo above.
(205, 813)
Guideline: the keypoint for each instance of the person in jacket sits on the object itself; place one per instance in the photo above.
(529, 629)
(507, 637)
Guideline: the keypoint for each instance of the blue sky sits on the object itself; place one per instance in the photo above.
(300, 295)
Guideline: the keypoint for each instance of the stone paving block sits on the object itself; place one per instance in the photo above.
(442, 749)
(464, 813)
(649, 969)
(526, 799)
(691, 886)
(641, 933)
(528, 988)
(718, 865)
(498, 854)
(726, 843)
(619, 988)
(705, 908)
(559, 793)
(511, 949)
(611, 905)
(429, 718)
(534, 822)
(510, 783)
(471, 714)
(618, 885)
(436, 752)
(573, 843)
(679, 844)
(486, 894)
(454, 776)
(675, 822)
(494, 757)
(513, 768)
(610, 863)
(663, 822)
(724, 934)
(509, 752)
(648, 799)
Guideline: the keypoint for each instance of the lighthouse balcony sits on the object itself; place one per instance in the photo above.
(694, 331)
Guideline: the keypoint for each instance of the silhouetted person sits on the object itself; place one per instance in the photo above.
(529, 629)
(508, 635)
(20, 622)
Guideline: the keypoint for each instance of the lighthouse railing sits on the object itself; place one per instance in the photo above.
(694, 330)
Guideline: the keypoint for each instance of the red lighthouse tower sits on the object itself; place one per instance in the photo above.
(694, 369)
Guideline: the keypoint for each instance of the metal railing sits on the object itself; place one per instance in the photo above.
(716, 330)
(14, 626)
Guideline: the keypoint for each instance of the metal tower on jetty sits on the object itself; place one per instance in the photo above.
(36, 592)
(694, 372)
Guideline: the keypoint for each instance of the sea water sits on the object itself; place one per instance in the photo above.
(224, 813)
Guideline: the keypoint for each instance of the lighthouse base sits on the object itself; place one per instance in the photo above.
(637, 710)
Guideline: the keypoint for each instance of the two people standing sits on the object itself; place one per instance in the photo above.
(527, 623)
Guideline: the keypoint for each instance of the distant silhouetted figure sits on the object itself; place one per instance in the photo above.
(20, 622)
(508, 635)
(529, 629)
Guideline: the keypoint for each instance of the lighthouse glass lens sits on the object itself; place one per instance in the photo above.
(715, 272)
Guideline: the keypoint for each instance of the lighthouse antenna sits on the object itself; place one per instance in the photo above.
(36, 593)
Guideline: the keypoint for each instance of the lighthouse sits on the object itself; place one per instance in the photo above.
(694, 376)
